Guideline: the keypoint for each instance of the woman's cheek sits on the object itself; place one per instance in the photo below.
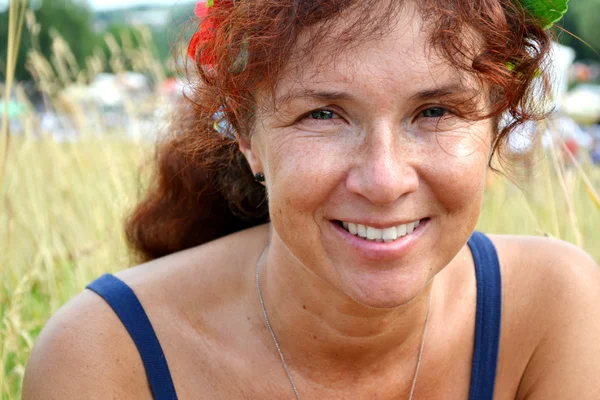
(456, 173)
(304, 175)
(306, 172)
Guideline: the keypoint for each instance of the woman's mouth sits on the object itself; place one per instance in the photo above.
(381, 243)
(382, 235)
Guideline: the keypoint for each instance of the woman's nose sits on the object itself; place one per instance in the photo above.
(383, 171)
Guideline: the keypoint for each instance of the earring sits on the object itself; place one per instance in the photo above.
(259, 177)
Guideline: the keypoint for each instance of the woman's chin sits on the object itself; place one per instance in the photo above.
(382, 289)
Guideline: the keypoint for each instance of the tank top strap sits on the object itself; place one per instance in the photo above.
(128, 308)
(488, 317)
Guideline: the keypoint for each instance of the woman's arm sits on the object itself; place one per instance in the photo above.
(566, 363)
(84, 352)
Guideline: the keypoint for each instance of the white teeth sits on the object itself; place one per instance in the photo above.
(374, 233)
(386, 235)
(390, 233)
(401, 230)
(352, 228)
(361, 230)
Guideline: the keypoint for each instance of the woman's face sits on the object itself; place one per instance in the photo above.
(368, 145)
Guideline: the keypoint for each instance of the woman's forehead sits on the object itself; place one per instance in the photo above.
(400, 61)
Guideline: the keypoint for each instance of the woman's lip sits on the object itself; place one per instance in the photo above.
(381, 226)
(381, 251)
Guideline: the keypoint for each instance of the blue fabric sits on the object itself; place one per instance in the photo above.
(487, 324)
(128, 308)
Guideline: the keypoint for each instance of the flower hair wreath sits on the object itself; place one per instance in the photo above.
(546, 12)
(207, 33)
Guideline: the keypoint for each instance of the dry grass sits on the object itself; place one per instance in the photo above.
(547, 205)
(60, 226)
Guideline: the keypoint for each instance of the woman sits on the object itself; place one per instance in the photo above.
(370, 125)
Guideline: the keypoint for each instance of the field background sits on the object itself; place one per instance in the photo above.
(62, 202)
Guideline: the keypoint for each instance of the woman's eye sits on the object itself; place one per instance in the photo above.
(434, 112)
(322, 114)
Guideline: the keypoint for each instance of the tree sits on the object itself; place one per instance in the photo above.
(582, 21)
(71, 19)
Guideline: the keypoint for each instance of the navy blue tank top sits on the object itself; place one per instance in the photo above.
(487, 324)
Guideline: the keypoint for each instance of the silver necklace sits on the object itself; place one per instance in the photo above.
(285, 366)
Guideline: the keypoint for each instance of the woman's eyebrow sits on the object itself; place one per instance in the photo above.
(444, 91)
(314, 95)
(320, 95)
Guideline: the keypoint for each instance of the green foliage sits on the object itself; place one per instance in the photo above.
(70, 19)
(180, 13)
(547, 11)
(582, 21)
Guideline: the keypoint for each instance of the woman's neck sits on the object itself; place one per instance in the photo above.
(321, 329)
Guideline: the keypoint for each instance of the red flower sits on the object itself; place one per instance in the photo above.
(206, 33)
(201, 9)
(193, 46)
(204, 36)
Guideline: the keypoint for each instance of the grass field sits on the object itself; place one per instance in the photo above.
(62, 216)
(60, 226)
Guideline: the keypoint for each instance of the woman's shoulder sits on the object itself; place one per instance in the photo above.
(198, 264)
(85, 349)
(551, 294)
(545, 262)
(539, 271)
(206, 274)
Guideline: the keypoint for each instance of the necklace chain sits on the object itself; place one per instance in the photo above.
(285, 366)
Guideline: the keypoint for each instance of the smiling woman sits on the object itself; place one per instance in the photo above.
(317, 240)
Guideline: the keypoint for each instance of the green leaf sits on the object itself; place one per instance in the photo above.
(547, 11)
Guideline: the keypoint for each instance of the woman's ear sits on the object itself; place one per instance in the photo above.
(251, 156)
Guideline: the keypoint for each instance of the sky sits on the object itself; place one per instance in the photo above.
(108, 4)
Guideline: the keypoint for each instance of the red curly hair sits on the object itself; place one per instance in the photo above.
(203, 188)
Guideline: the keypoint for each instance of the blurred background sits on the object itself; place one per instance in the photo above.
(86, 88)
